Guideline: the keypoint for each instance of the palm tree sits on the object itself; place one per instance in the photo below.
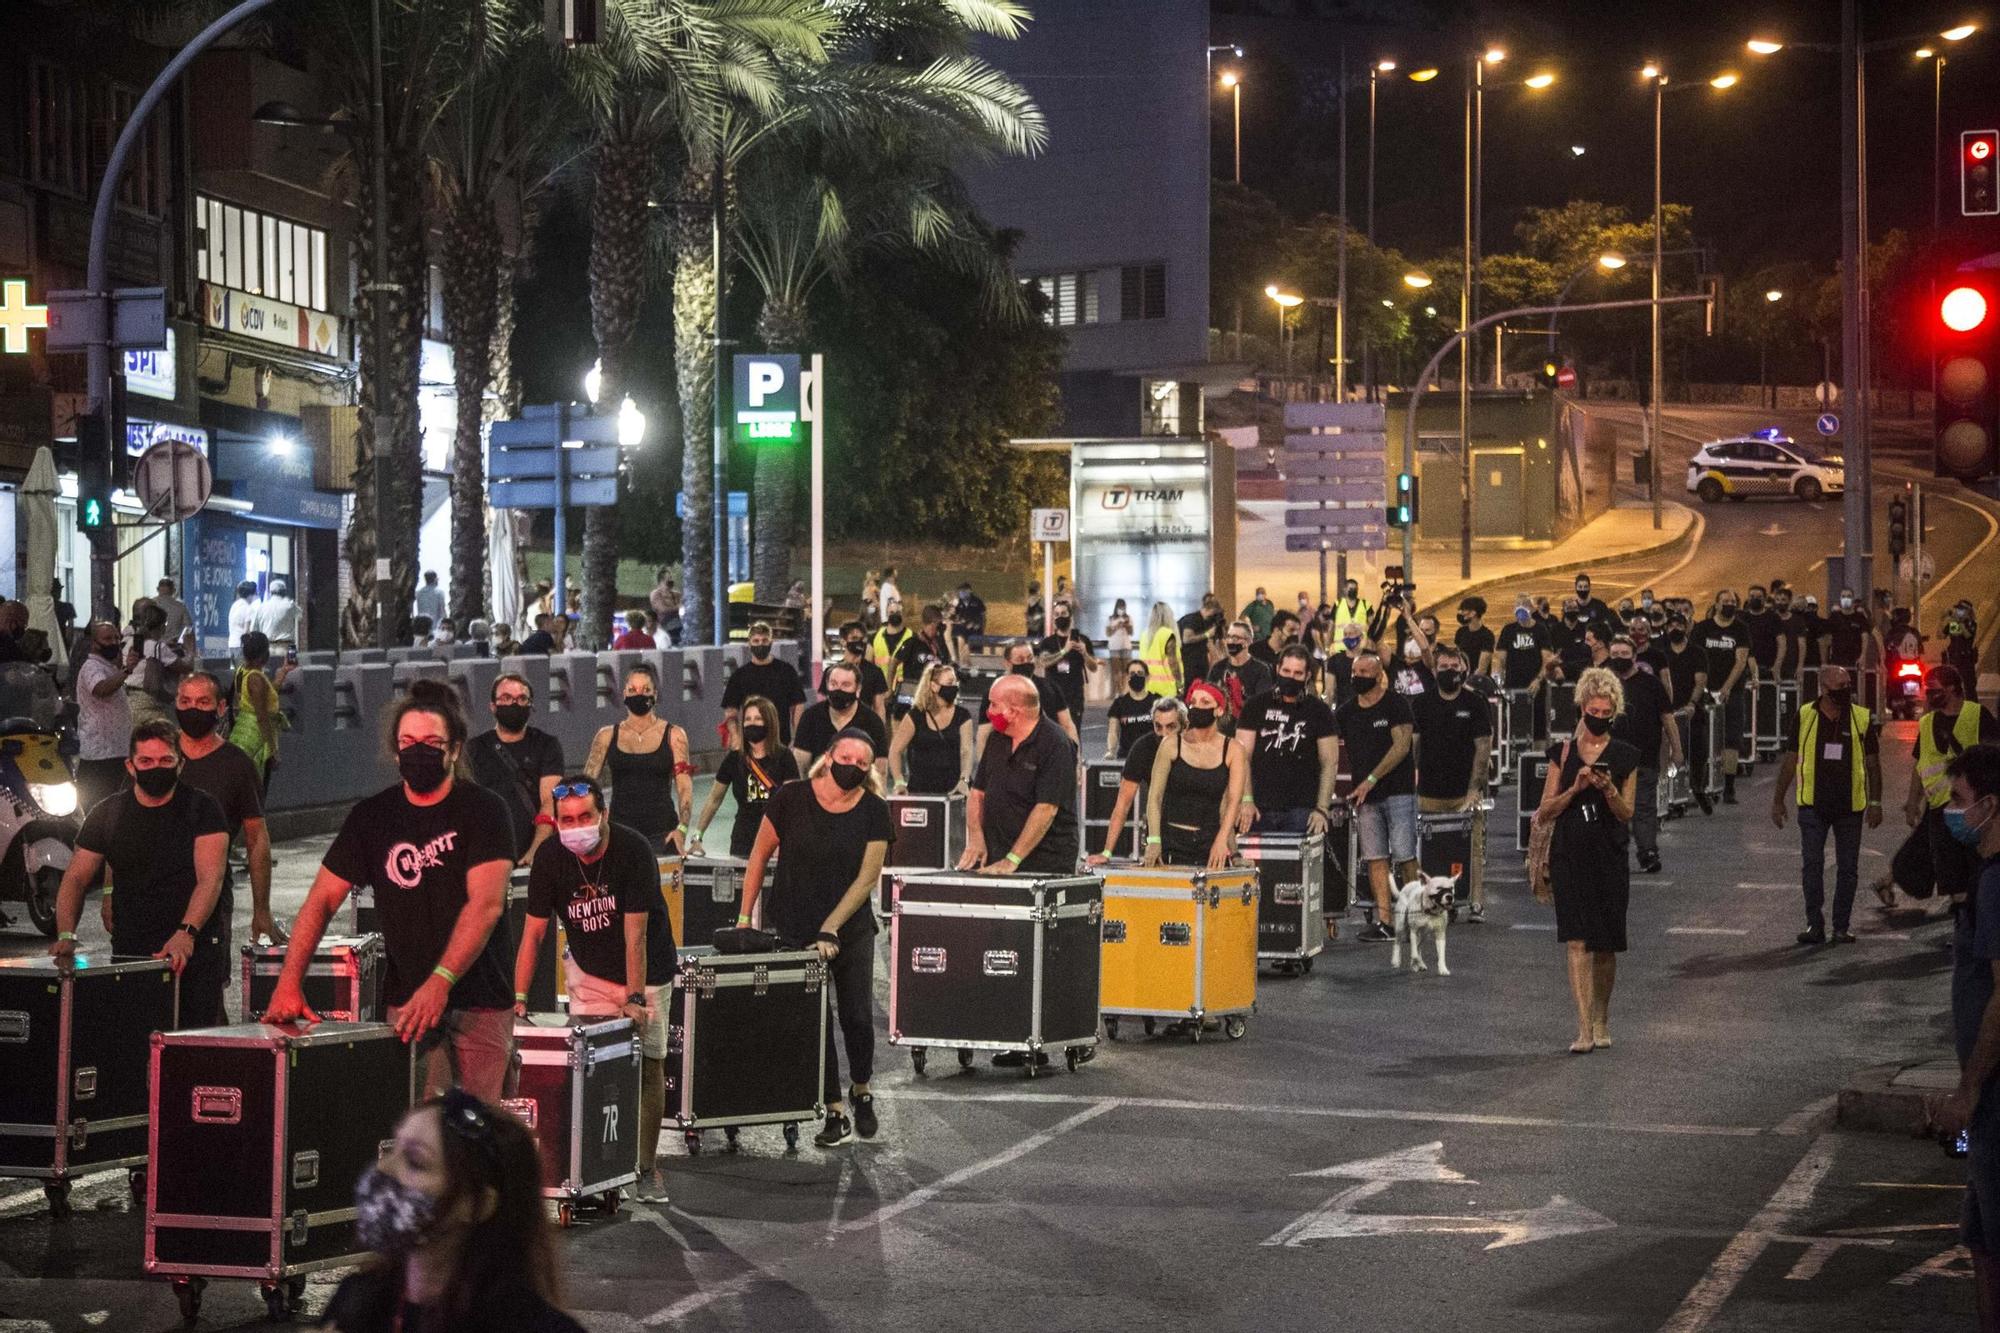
(665, 77)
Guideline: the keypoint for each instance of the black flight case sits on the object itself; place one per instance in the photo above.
(995, 963)
(930, 835)
(343, 981)
(1291, 903)
(579, 1094)
(259, 1134)
(74, 1041)
(711, 897)
(746, 1043)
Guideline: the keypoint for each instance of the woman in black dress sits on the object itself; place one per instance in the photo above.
(644, 760)
(931, 750)
(1589, 796)
(1196, 784)
(758, 766)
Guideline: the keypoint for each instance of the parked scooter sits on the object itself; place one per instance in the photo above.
(39, 819)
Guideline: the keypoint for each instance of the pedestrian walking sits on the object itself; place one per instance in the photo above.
(1258, 612)
(1951, 724)
(1127, 718)
(1287, 737)
(768, 675)
(1589, 798)
(757, 766)
(1021, 813)
(453, 1214)
(1238, 675)
(1168, 717)
(243, 612)
(258, 718)
(520, 763)
(645, 758)
(1160, 651)
(603, 881)
(1834, 748)
(1454, 731)
(167, 845)
(840, 710)
(1646, 723)
(436, 851)
(1020, 659)
(1725, 643)
(1195, 786)
(1375, 726)
(230, 778)
(874, 685)
(1118, 639)
(833, 833)
(103, 716)
(430, 598)
(931, 750)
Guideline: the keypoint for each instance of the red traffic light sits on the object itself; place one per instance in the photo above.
(1979, 150)
(1963, 309)
(1978, 154)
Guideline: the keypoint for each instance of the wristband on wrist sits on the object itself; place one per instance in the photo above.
(68, 935)
(450, 977)
(107, 890)
(1014, 860)
(1153, 840)
(549, 820)
(520, 997)
(743, 920)
(828, 937)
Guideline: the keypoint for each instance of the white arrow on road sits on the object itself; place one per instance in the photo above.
(1772, 530)
(1336, 1217)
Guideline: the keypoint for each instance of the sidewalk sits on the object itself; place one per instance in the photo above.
(1618, 534)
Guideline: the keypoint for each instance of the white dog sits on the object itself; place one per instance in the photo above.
(1423, 905)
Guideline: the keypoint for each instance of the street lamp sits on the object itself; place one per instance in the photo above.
(1764, 393)
(1611, 260)
(1284, 300)
(1417, 278)
(1424, 75)
(1233, 81)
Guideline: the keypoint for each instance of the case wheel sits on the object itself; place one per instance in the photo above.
(1305, 965)
(692, 1138)
(135, 1180)
(729, 1135)
(565, 1214)
(281, 1299)
(57, 1193)
(1233, 1027)
(965, 1059)
(1111, 1029)
(1194, 1032)
(187, 1294)
(1147, 1023)
(1074, 1057)
(1034, 1065)
(919, 1058)
(610, 1199)
(792, 1139)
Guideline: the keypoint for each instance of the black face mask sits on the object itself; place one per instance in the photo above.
(1620, 666)
(1935, 700)
(513, 717)
(855, 647)
(638, 705)
(1062, 622)
(1201, 717)
(1022, 669)
(840, 700)
(1449, 681)
(1840, 698)
(1595, 725)
(760, 651)
(1237, 649)
(948, 693)
(196, 723)
(422, 767)
(1725, 613)
(108, 651)
(1365, 685)
(1756, 604)
(156, 782)
(1289, 688)
(755, 731)
(1583, 592)
(848, 776)
(1464, 619)
(895, 622)
(1137, 680)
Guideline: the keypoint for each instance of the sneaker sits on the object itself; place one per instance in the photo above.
(1649, 865)
(653, 1187)
(1705, 800)
(1377, 934)
(838, 1131)
(864, 1114)
(1478, 914)
(1843, 937)
(1813, 935)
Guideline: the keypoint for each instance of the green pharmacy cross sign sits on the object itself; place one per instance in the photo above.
(766, 399)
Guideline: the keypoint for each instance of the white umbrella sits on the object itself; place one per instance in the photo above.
(38, 509)
(505, 604)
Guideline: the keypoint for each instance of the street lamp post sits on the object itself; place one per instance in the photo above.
(1764, 395)
(1284, 300)
(1233, 81)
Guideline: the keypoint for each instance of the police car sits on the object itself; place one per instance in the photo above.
(1767, 462)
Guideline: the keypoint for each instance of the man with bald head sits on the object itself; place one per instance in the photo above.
(1834, 747)
(1021, 814)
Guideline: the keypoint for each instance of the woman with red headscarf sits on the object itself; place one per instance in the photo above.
(1197, 780)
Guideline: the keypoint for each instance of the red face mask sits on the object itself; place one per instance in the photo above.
(998, 719)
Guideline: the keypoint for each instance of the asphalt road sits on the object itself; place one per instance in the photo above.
(1381, 1151)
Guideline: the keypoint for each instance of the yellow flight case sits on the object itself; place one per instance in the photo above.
(1180, 945)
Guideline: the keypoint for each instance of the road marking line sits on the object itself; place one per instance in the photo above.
(1533, 925)
(1775, 1219)
(1390, 1114)
(1705, 930)
(1904, 1185)
(1906, 1226)
(1765, 884)
(1809, 1117)
(687, 1305)
(35, 1198)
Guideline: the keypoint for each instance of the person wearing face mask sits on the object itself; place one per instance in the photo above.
(1197, 649)
(1571, 645)
(1591, 610)
(1646, 649)
(1951, 724)
(454, 1216)
(1350, 609)
(1793, 631)
(1118, 640)
(1375, 728)
(1725, 645)
(437, 852)
(103, 717)
(874, 685)
(1066, 657)
(1238, 675)
(1834, 748)
(1168, 717)
(1413, 676)
(1767, 642)
(1340, 662)
(259, 721)
(519, 763)
(834, 833)
(1850, 635)
(1021, 814)
(1159, 652)
(1686, 675)
(1646, 724)
(1292, 756)
(1454, 730)
(1020, 657)
(643, 758)
(166, 843)
(889, 638)
(758, 766)
(1526, 657)
(839, 710)
(602, 880)
(768, 675)
(931, 751)
(212, 765)
(927, 646)
(1589, 797)
(1473, 638)
(1127, 719)
(1972, 816)
(1194, 788)
(1282, 633)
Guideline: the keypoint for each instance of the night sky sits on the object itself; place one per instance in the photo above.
(1759, 163)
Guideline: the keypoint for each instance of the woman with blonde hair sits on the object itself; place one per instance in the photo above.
(1589, 798)
(934, 738)
(1160, 649)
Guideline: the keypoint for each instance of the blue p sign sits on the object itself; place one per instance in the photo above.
(766, 399)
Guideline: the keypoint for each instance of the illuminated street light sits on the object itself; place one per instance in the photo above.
(1763, 46)
(631, 424)
(1925, 53)
(1385, 66)
(1540, 81)
(1284, 298)
(593, 381)
(1611, 260)
(1494, 55)
(1960, 33)
(1417, 278)
(1774, 295)
(1723, 81)
(1424, 75)
(1651, 71)
(1576, 150)
(1229, 78)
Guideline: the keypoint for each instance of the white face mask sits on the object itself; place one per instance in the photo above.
(581, 840)
(1412, 652)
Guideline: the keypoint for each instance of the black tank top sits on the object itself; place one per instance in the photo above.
(931, 761)
(1194, 795)
(642, 787)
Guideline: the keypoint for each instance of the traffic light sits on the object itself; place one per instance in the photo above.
(1978, 154)
(1549, 372)
(93, 489)
(1966, 361)
(1403, 513)
(1899, 526)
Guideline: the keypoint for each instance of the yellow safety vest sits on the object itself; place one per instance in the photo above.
(1342, 616)
(883, 650)
(1857, 724)
(1160, 648)
(1932, 760)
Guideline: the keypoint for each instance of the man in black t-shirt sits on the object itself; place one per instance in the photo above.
(874, 685)
(1293, 757)
(1647, 724)
(1820, 744)
(1454, 729)
(1473, 638)
(1238, 675)
(768, 675)
(1590, 610)
(841, 708)
(1066, 658)
(1760, 619)
(1646, 647)
(1794, 630)
(166, 844)
(1129, 715)
(1725, 645)
(1168, 716)
(1687, 664)
(520, 764)
(1021, 814)
(229, 776)
(1850, 633)
(1375, 729)
(1525, 656)
(437, 852)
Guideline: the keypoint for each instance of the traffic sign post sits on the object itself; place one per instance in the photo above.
(1335, 473)
(553, 456)
(1828, 423)
(1050, 526)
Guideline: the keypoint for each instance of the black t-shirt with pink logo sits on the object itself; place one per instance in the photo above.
(416, 858)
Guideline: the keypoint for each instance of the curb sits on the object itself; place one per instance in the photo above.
(1872, 1103)
(1670, 546)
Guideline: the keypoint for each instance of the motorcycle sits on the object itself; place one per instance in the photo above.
(1906, 687)
(39, 819)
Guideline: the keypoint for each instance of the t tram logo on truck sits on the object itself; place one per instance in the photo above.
(1119, 497)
